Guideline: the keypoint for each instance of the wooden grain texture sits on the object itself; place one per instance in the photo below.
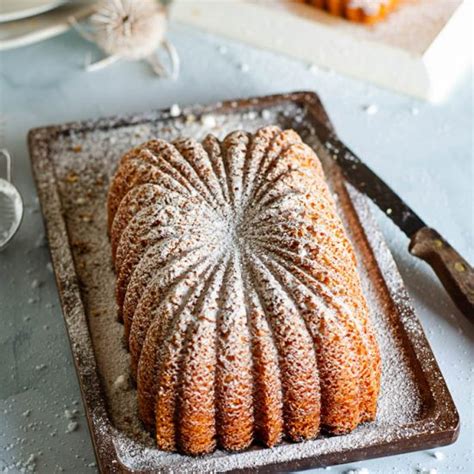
(455, 273)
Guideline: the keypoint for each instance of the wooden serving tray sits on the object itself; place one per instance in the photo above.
(73, 163)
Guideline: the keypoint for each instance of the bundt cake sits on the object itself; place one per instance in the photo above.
(362, 11)
(238, 289)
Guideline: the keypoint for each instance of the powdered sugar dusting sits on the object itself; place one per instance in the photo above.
(84, 161)
(369, 7)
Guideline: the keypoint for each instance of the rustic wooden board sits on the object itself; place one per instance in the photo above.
(72, 164)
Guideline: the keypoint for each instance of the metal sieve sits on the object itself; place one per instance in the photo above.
(11, 204)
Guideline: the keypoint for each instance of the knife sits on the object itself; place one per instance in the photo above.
(455, 273)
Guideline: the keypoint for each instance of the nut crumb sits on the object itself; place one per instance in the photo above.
(175, 110)
(209, 121)
(72, 426)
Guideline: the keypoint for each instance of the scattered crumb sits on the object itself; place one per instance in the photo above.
(29, 465)
(209, 121)
(222, 49)
(35, 283)
(175, 110)
(40, 241)
(72, 426)
(49, 267)
(266, 114)
(190, 118)
(252, 115)
(41, 367)
(358, 470)
(69, 414)
(439, 455)
(244, 67)
(313, 69)
(371, 109)
(26, 413)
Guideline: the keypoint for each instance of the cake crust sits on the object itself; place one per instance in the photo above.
(239, 292)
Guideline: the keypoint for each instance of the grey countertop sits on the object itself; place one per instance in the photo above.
(425, 151)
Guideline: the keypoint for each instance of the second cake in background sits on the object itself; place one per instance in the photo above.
(362, 11)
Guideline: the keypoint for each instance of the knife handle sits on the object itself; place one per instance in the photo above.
(455, 273)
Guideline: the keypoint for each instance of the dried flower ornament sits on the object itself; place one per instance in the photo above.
(132, 30)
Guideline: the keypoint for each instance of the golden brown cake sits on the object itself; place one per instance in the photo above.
(239, 293)
(362, 11)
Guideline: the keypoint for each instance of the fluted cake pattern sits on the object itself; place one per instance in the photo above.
(239, 293)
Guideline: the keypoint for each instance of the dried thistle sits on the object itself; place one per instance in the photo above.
(130, 29)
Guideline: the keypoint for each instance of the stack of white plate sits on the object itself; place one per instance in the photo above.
(28, 21)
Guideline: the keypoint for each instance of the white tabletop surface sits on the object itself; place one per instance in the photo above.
(424, 151)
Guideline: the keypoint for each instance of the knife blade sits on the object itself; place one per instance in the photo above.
(367, 182)
(454, 272)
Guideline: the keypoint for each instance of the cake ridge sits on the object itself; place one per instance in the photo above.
(162, 153)
(260, 144)
(269, 159)
(213, 149)
(331, 300)
(157, 287)
(299, 369)
(315, 337)
(189, 147)
(157, 334)
(140, 196)
(200, 425)
(234, 389)
(235, 147)
(143, 274)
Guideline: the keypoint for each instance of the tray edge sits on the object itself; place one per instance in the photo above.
(38, 139)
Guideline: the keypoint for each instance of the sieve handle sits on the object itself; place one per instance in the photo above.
(8, 161)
